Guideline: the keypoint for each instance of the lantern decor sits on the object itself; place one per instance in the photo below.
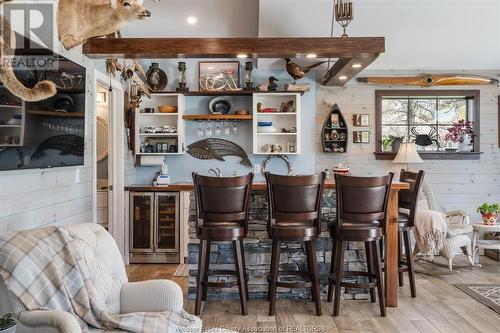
(343, 14)
(248, 76)
(156, 77)
(182, 77)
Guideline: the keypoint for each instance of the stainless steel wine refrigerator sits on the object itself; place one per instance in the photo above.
(154, 227)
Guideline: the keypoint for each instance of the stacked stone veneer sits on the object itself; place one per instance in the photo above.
(258, 255)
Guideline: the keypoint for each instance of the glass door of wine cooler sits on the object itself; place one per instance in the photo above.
(142, 218)
(167, 222)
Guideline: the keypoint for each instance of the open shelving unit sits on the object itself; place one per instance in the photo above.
(159, 120)
(334, 134)
(262, 142)
(8, 109)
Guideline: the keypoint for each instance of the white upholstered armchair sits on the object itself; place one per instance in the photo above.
(114, 291)
(458, 222)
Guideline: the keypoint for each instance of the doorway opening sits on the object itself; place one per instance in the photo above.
(103, 156)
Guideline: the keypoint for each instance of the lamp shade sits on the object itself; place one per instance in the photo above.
(407, 154)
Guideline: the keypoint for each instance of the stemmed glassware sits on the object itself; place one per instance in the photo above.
(199, 131)
(217, 131)
(216, 128)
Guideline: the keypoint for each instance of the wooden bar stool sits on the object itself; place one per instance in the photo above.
(361, 214)
(294, 215)
(408, 200)
(222, 208)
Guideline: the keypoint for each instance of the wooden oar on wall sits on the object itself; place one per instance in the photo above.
(429, 80)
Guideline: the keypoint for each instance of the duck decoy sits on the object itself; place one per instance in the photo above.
(268, 86)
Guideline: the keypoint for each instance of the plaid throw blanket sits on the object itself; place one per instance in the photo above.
(45, 269)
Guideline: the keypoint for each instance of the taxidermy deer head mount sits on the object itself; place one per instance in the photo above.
(79, 20)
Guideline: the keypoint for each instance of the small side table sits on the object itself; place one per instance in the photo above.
(480, 228)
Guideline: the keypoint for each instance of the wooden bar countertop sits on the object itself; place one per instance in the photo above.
(256, 186)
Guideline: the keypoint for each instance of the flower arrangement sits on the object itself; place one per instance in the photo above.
(458, 130)
(7, 321)
(489, 212)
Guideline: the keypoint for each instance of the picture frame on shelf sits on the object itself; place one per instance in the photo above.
(361, 136)
(361, 120)
(219, 76)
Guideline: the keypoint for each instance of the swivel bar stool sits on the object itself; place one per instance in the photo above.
(294, 215)
(361, 216)
(222, 215)
(408, 200)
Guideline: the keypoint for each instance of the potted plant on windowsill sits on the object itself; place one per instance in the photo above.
(489, 213)
(7, 323)
(462, 132)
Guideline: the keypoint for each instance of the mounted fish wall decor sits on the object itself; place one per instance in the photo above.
(215, 149)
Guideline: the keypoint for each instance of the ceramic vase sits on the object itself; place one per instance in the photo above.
(465, 145)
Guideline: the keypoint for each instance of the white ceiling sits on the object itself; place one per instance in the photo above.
(420, 34)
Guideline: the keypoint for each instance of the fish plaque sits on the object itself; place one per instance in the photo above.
(216, 149)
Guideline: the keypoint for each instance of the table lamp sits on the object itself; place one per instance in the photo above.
(407, 154)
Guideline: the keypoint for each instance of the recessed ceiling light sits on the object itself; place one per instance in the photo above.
(192, 20)
(343, 77)
(210, 67)
(311, 55)
(241, 56)
(356, 65)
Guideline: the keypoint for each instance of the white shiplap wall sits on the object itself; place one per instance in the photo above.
(34, 198)
(457, 184)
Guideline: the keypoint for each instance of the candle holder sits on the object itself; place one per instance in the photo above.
(182, 77)
(343, 14)
(248, 76)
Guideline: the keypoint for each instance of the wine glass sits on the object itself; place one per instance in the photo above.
(227, 130)
(235, 129)
(199, 131)
(208, 129)
(217, 131)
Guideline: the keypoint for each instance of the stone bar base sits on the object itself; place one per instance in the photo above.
(258, 255)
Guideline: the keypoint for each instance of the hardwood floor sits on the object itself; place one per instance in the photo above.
(439, 307)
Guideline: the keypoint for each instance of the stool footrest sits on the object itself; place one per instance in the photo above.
(353, 274)
(295, 284)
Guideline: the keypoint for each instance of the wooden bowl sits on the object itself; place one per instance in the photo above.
(241, 112)
(167, 109)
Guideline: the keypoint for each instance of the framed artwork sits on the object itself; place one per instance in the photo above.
(361, 120)
(219, 75)
(361, 136)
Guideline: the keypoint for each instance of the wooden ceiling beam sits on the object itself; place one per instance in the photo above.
(345, 69)
(323, 47)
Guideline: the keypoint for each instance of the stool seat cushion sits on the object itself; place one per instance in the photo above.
(357, 231)
(293, 231)
(223, 231)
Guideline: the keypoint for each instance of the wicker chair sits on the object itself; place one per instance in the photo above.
(459, 227)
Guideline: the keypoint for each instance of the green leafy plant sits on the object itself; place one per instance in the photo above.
(7, 321)
(486, 208)
(386, 142)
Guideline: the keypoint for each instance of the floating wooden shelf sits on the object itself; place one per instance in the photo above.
(217, 117)
(225, 93)
(353, 53)
(56, 114)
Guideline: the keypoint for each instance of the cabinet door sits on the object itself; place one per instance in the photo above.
(141, 222)
(167, 222)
